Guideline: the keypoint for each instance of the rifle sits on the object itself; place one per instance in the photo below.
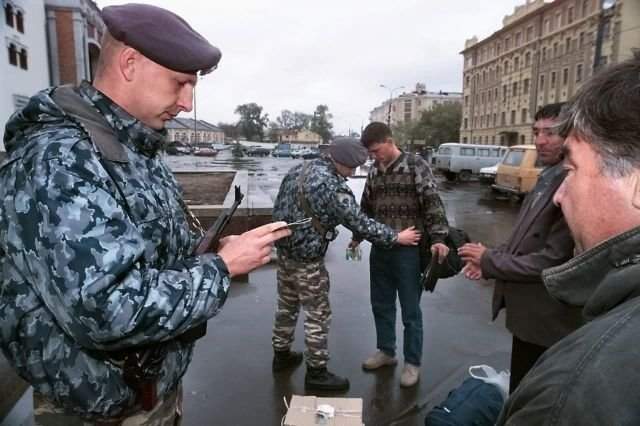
(208, 244)
(211, 238)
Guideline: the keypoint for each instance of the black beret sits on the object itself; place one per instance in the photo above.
(161, 36)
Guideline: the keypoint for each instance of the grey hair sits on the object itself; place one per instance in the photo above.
(606, 114)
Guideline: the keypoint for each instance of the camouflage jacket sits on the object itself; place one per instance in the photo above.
(332, 202)
(94, 260)
(404, 195)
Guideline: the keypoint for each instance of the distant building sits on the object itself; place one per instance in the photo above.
(23, 66)
(409, 106)
(186, 130)
(542, 54)
(74, 30)
(302, 137)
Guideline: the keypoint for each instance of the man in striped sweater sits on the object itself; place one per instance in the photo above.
(401, 191)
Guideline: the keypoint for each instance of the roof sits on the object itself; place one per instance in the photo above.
(188, 124)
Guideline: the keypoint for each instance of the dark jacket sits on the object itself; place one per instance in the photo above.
(540, 239)
(591, 376)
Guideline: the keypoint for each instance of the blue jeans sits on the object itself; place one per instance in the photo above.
(394, 272)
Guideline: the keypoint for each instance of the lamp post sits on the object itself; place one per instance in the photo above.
(390, 100)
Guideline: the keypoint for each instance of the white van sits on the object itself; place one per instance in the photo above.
(461, 160)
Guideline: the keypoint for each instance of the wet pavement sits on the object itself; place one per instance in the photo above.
(230, 380)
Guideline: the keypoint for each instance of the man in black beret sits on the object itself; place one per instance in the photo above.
(103, 279)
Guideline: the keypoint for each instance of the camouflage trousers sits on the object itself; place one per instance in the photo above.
(167, 412)
(303, 284)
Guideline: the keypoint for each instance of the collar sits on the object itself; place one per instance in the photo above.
(129, 129)
(600, 278)
(393, 164)
(332, 167)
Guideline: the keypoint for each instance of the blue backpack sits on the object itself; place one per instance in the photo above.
(474, 403)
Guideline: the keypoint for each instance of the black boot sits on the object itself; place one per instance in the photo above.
(322, 379)
(283, 360)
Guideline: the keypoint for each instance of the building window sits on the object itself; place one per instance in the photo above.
(570, 15)
(507, 43)
(581, 40)
(541, 87)
(495, 119)
(556, 51)
(553, 79)
(518, 37)
(13, 54)
(503, 118)
(516, 63)
(8, 14)
(585, 7)
(578, 73)
(504, 93)
(527, 59)
(558, 20)
(19, 22)
(567, 45)
(565, 76)
(466, 122)
(523, 118)
(547, 26)
(513, 116)
(525, 88)
(466, 100)
(515, 89)
(529, 33)
(23, 59)
(544, 53)
(606, 29)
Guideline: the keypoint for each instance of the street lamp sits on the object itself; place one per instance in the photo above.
(390, 100)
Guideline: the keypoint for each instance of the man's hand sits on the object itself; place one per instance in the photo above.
(441, 250)
(409, 237)
(245, 252)
(472, 271)
(472, 253)
(353, 244)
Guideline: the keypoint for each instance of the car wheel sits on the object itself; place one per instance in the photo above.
(464, 176)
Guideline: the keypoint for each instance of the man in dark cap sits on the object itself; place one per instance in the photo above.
(318, 190)
(103, 281)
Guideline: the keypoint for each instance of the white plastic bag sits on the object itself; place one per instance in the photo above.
(491, 376)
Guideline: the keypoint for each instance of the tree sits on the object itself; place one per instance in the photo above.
(230, 130)
(440, 124)
(321, 123)
(252, 122)
(293, 120)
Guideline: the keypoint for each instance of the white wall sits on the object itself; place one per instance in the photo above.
(13, 79)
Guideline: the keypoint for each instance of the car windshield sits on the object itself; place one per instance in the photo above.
(514, 157)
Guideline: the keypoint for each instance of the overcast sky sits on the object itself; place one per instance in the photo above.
(296, 54)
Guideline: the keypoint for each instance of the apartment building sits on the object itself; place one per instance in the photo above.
(74, 32)
(409, 105)
(23, 66)
(543, 53)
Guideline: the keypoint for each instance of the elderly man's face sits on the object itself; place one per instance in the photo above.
(161, 94)
(548, 142)
(595, 205)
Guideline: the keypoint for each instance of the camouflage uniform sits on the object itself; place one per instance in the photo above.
(96, 256)
(302, 277)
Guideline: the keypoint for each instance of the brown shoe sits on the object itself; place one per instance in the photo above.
(377, 360)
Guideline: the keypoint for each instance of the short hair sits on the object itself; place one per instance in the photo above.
(549, 111)
(605, 113)
(375, 132)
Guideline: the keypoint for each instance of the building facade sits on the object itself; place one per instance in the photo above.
(187, 131)
(302, 137)
(408, 106)
(74, 32)
(23, 65)
(543, 53)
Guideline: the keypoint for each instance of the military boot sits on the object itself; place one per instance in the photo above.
(323, 380)
(283, 360)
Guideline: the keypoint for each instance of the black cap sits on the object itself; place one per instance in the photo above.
(161, 36)
(348, 152)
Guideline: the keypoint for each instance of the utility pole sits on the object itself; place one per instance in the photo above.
(390, 101)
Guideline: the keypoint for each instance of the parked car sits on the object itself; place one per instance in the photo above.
(177, 148)
(204, 151)
(518, 172)
(282, 150)
(487, 175)
(308, 153)
(258, 151)
(459, 161)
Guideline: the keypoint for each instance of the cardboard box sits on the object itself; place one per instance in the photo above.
(302, 411)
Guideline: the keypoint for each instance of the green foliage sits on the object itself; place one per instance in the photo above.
(230, 130)
(293, 120)
(438, 125)
(252, 122)
(321, 123)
